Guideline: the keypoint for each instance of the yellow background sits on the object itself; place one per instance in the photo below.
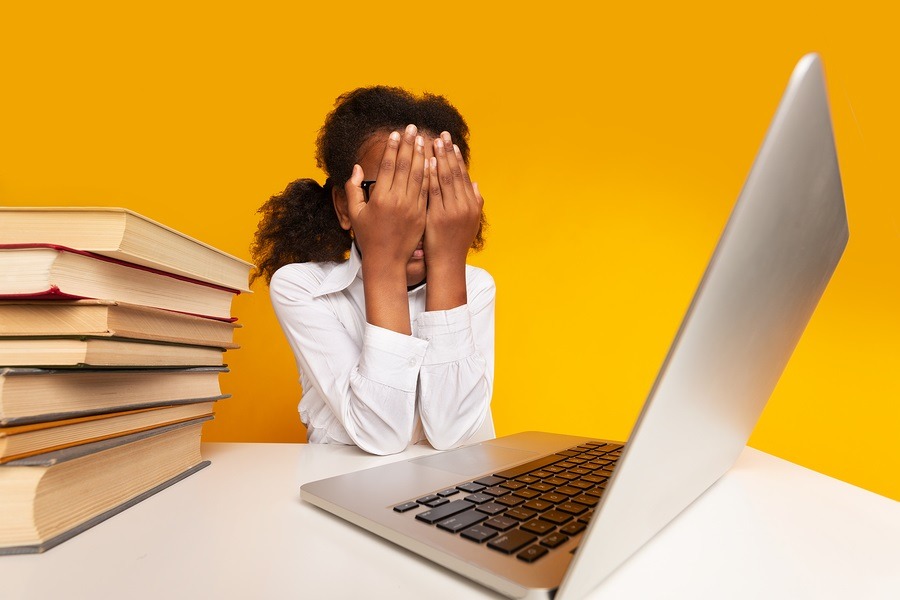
(610, 141)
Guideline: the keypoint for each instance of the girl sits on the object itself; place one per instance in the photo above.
(385, 358)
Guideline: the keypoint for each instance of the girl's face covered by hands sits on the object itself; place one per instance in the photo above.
(370, 159)
(423, 211)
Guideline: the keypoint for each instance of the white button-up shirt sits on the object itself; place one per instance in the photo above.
(377, 388)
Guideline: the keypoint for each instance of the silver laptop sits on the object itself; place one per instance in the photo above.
(537, 514)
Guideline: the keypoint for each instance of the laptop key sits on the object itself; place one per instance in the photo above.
(427, 499)
(512, 485)
(444, 511)
(405, 507)
(573, 508)
(510, 500)
(436, 502)
(556, 517)
(479, 533)
(533, 465)
(581, 485)
(491, 508)
(586, 500)
(495, 491)
(448, 492)
(470, 487)
(490, 481)
(520, 514)
(573, 528)
(462, 521)
(538, 505)
(511, 541)
(537, 527)
(554, 498)
(542, 487)
(531, 554)
(527, 493)
(554, 539)
(478, 498)
(501, 523)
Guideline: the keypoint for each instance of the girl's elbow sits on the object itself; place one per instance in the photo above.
(382, 438)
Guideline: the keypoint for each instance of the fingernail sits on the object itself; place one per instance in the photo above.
(446, 136)
(433, 163)
(420, 141)
(395, 136)
(439, 143)
(411, 129)
(475, 187)
(456, 149)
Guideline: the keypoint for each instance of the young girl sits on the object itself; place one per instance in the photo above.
(392, 332)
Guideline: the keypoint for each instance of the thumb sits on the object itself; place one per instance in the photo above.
(355, 197)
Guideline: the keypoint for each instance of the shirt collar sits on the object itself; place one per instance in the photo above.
(342, 275)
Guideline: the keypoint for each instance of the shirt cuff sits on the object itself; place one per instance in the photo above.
(448, 333)
(390, 358)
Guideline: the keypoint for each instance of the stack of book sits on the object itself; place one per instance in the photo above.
(112, 333)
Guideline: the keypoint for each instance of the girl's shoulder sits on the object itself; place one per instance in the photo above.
(300, 278)
(479, 283)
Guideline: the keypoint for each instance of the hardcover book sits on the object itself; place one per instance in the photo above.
(20, 441)
(105, 318)
(55, 272)
(38, 395)
(103, 352)
(125, 235)
(48, 498)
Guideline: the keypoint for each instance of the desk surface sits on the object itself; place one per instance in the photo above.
(237, 529)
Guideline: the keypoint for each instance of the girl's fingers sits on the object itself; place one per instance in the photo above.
(435, 198)
(386, 169)
(426, 183)
(404, 161)
(416, 185)
(355, 197)
(452, 170)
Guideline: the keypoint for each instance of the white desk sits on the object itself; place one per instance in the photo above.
(237, 529)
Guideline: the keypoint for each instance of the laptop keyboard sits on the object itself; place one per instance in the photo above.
(528, 510)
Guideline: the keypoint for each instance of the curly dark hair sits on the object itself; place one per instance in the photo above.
(300, 224)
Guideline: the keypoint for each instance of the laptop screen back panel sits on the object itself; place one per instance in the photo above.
(782, 243)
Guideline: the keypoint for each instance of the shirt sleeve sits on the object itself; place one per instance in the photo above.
(371, 390)
(457, 373)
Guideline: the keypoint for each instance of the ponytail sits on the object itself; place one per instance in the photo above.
(298, 225)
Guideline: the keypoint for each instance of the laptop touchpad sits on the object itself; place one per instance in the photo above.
(475, 460)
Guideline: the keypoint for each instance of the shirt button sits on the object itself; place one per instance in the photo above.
(412, 362)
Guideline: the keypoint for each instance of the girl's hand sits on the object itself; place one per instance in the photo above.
(389, 227)
(454, 207)
(452, 221)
